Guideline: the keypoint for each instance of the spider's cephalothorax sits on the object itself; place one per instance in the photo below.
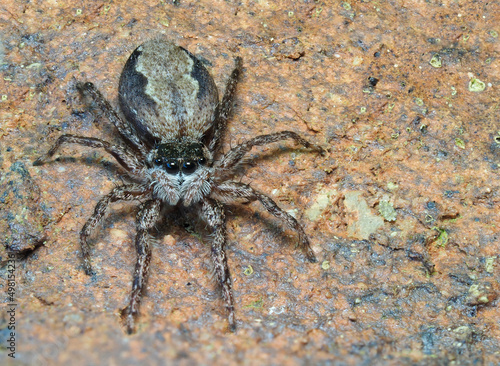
(179, 171)
(171, 149)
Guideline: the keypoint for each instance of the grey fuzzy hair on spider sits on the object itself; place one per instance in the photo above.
(170, 146)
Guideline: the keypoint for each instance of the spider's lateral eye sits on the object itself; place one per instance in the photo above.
(157, 161)
(172, 166)
(189, 166)
(202, 161)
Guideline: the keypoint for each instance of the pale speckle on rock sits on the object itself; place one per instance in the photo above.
(321, 202)
(169, 240)
(362, 222)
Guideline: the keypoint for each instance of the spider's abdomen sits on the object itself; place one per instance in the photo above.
(166, 93)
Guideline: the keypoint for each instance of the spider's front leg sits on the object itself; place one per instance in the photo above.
(213, 213)
(127, 160)
(146, 219)
(234, 156)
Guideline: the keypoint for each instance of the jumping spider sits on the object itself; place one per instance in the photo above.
(171, 148)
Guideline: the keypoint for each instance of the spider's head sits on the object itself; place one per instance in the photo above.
(183, 158)
(180, 170)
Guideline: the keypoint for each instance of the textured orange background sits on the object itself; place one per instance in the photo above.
(421, 289)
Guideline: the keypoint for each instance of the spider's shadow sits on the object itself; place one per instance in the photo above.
(277, 231)
(100, 161)
(188, 221)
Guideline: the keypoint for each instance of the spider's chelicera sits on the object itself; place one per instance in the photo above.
(171, 149)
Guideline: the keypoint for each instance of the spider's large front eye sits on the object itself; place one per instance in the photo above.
(188, 167)
(172, 166)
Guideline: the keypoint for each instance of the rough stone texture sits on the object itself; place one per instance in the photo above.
(385, 87)
(22, 219)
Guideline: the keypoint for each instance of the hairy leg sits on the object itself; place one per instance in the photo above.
(146, 219)
(235, 155)
(123, 193)
(225, 108)
(228, 191)
(126, 131)
(128, 161)
(213, 214)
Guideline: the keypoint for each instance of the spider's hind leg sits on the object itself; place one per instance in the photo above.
(146, 219)
(225, 108)
(127, 132)
(213, 213)
(123, 193)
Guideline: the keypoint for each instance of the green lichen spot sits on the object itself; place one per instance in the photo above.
(325, 265)
(477, 294)
(255, 304)
(489, 264)
(436, 61)
(387, 210)
(442, 239)
(392, 186)
(248, 271)
(346, 5)
(476, 85)
(460, 143)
